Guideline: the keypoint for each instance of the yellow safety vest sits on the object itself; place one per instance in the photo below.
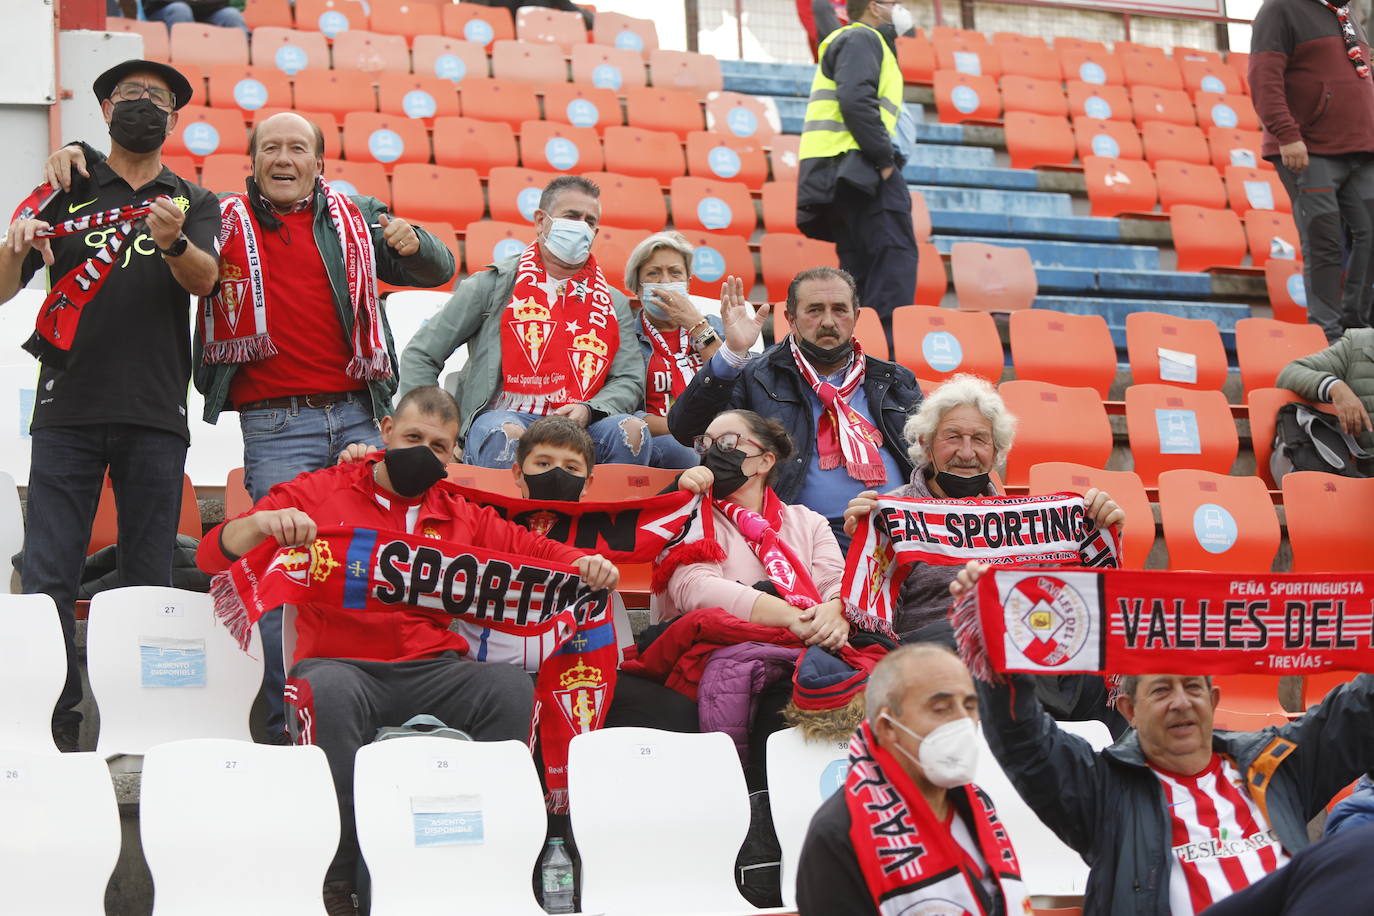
(824, 133)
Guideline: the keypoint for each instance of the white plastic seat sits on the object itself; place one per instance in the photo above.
(409, 310)
(216, 449)
(33, 668)
(61, 839)
(11, 530)
(801, 775)
(162, 669)
(471, 812)
(18, 392)
(16, 324)
(231, 827)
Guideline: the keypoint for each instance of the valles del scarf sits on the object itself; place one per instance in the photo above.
(788, 574)
(59, 318)
(1350, 37)
(1002, 530)
(1066, 621)
(908, 858)
(670, 369)
(235, 322)
(843, 435)
(555, 349)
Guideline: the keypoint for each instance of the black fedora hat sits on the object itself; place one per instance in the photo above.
(104, 83)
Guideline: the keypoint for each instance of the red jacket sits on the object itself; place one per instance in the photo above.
(346, 495)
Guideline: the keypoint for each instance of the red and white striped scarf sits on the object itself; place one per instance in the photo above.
(1350, 37)
(781, 565)
(670, 369)
(843, 435)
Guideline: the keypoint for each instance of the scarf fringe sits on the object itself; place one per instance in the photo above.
(693, 552)
(969, 637)
(871, 623)
(371, 369)
(241, 349)
(230, 609)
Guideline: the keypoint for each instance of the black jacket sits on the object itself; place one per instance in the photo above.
(772, 386)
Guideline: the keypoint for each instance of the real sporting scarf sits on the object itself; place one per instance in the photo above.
(235, 323)
(1350, 37)
(843, 435)
(1053, 530)
(60, 316)
(787, 573)
(670, 369)
(909, 858)
(1072, 621)
(557, 347)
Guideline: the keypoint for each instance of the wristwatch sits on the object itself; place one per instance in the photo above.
(177, 248)
(708, 337)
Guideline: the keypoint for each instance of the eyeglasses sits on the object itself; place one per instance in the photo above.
(129, 92)
(727, 442)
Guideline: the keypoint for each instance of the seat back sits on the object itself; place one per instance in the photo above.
(507, 101)
(623, 482)
(513, 193)
(1186, 352)
(1255, 189)
(1264, 404)
(784, 254)
(1150, 70)
(384, 138)
(1093, 66)
(1117, 186)
(916, 58)
(202, 131)
(1029, 93)
(1208, 76)
(1217, 522)
(1180, 142)
(33, 668)
(405, 17)
(937, 343)
(236, 498)
(428, 194)
(248, 88)
(490, 480)
(717, 256)
(931, 280)
(1287, 288)
(1138, 533)
(1172, 427)
(636, 201)
(674, 111)
(531, 61)
(357, 177)
(1264, 346)
(1100, 102)
(1220, 109)
(748, 118)
(370, 52)
(1055, 423)
(993, 278)
(332, 17)
(962, 97)
(801, 775)
(582, 105)
(476, 23)
(1205, 237)
(620, 31)
(1234, 146)
(156, 44)
(643, 153)
(489, 241)
(724, 157)
(339, 92)
(1028, 59)
(1036, 139)
(451, 59)
(1326, 516)
(1272, 234)
(1248, 702)
(616, 69)
(685, 70)
(1151, 103)
(225, 172)
(473, 143)
(418, 96)
(557, 147)
(289, 50)
(564, 28)
(1063, 348)
(1108, 139)
(208, 45)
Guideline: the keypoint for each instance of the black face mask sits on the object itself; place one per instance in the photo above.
(957, 487)
(555, 484)
(139, 126)
(727, 467)
(413, 470)
(825, 356)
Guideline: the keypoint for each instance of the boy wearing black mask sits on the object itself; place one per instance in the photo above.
(554, 460)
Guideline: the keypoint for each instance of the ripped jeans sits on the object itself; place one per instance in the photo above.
(620, 439)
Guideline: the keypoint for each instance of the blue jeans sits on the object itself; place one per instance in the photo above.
(667, 452)
(488, 445)
(173, 13)
(68, 469)
(278, 444)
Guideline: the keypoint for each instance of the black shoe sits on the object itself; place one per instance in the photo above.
(67, 737)
(339, 899)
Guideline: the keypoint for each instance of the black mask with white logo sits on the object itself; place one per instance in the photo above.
(413, 470)
(139, 126)
(555, 485)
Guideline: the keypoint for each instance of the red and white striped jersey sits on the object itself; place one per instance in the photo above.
(1220, 840)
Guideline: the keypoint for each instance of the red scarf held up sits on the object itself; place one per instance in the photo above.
(788, 574)
(843, 436)
(670, 369)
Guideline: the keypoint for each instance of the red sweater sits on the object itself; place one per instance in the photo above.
(346, 495)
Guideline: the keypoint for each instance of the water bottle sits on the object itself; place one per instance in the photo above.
(556, 872)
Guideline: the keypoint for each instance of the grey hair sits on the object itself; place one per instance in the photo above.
(1130, 683)
(890, 678)
(960, 390)
(645, 250)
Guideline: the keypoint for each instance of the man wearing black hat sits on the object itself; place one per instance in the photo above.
(125, 247)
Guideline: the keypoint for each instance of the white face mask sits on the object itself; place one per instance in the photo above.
(651, 301)
(569, 240)
(901, 19)
(948, 755)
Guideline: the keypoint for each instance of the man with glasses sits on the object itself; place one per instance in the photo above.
(126, 243)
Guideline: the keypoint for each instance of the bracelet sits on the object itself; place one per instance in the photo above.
(704, 321)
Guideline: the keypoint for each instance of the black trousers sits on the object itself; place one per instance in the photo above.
(876, 243)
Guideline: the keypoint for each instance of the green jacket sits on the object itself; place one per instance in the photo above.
(473, 316)
(1350, 360)
(431, 266)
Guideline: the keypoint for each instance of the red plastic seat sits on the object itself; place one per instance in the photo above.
(713, 205)
(1036, 139)
(1171, 427)
(1328, 518)
(1206, 238)
(1224, 110)
(236, 498)
(993, 278)
(470, 143)
(1138, 532)
(1183, 352)
(1287, 290)
(649, 153)
(1233, 146)
(325, 121)
(425, 193)
(1189, 183)
(685, 71)
(1054, 423)
(668, 110)
(1064, 349)
(508, 101)
(1093, 65)
(868, 330)
(937, 343)
(489, 241)
(367, 178)
(1150, 70)
(289, 50)
(248, 88)
(1108, 139)
(1263, 406)
(1271, 234)
(1028, 59)
(968, 53)
(476, 23)
(745, 117)
(1152, 104)
(513, 193)
(337, 92)
(784, 255)
(780, 207)
(916, 58)
(1264, 346)
(920, 216)
(556, 147)
(1217, 522)
(1249, 702)
(452, 59)
(1256, 189)
(410, 18)
(723, 157)
(385, 138)
(716, 257)
(225, 172)
(1100, 102)
(208, 45)
(632, 202)
(612, 249)
(1209, 76)
(412, 96)
(563, 28)
(528, 61)
(581, 106)
(371, 52)
(202, 132)
(626, 32)
(962, 97)
(1180, 142)
(331, 17)
(1026, 93)
(1066, 43)
(156, 44)
(1183, 53)
(105, 526)
(931, 279)
(1117, 186)
(616, 69)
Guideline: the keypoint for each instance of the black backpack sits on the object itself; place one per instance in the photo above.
(1310, 440)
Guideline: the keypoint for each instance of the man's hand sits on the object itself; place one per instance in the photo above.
(57, 171)
(1294, 155)
(356, 451)
(578, 413)
(858, 507)
(824, 625)
(968, 577)
(597, 571)
(399, 235)
(23, 235)
(1102, 509)
(290, 527)
(696, 480)
(1349, 410)
(743, 324)
(165, 222)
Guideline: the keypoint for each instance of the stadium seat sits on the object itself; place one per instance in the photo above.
(1018, 39)
(199, 132)
(563, 28)
(969, 53)
(251, 827)
(780, 207)
(488, 480)
(1206, 238)
(289, 50)
(1327, 518)
(410, 18)
(1063, 348)
(556, 147)
(1186, 352)
(1152, 104)
(332, 17)
(33, 668)
(1217, 522)
(718, 256)
(1171, 427)
(1233, 146)
(669, 110)
(208, 46)
(248, 88)
(1181, 53)
(784, 255)
(406, 313)
(509, 101)
(646, 153)
(627, 481)
(1026, 93)
(337, 92)
(746, 117)
(937, 343)
(1102, 103)
(225, 172)
(529, 61)
(1264, 346)
(64, 855)
(1054, 423)
(931, 279)
(711, 204)
(410, 95)
(385, 138)
(513, 193)
(1271, 234)
(784, 158)
(325, 121)
(1037, 139)
(616, 69)
(1249, 702)
(105, 527)
(1255, 189)
(632, 202)
(1089, 65)
(1215, 109)
(156, 44)
(920, 216)
(184, 166)
(371, 52)
(1189, 183)
(475, 144)
(1028, 59)
(1066, 43)
(358, 178)
(1108, 139)
(916, 58)
(685, 71)
(801, 775)
(1138, 533)
(1117, 186)
(489, 241)
(992, 278)
(612, 248)
(963, 97)
(1209, 76)
(424, 193)
(452, 59)
(1263, 406)
(722, 157)
(1150, 70)
(1180, 142)
(1315, 687)
(236, 498)
(476, 23)
(581, 106)
(11, 525)
(1287, 290)
(626, 32)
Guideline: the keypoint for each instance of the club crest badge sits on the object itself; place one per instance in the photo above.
(533, 325)
(582, 694)
(590, 358)
(1048, 621)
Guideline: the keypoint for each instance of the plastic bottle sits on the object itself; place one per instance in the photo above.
(556, 873)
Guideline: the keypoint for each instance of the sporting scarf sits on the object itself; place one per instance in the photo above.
(58, 320)
(670, 369)
(787, 573)
(566, 344)
(843, 435)
(1350, 37)
(1001, 530)
(1070, 621)
(906, 855)
(234, 321)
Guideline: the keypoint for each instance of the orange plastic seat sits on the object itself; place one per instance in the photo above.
(669, 110)
(1180, 142)
(1263, 406)
(1184, 352)
(184, 166)
(367, 178)
(1223, 110)
(324, 120)
(916, 58)
(412, 96)
(1315, 687)
(1152, 104)
(202, 132)
(967, 53)
(371, 52)
(1028, 59)
(1271, 234)
(1287, 290)
(445, 234)
(529, 61)
(581, 106)
(962, 97)
(385, 138)
(779, 206)
(937, 343)
(1249, 702)
(513, 193)
(452, 59)
(783, 255)
(208, 45)
(489, 480)
(685, 71)
(225, 172)
(1089, 65)
(1328, 517)
(1064, 349)
(510, 101)
(716, 257)
(1108, 139)
(470, 143)
(993, 278)
(1171, 427)
(1102, 103)
(1233, 146)
(626, 32)
(556, 147)
(563, 28)
(248, 88)
(1117, 186)
(931, 279)
(1138, 531)
(1002, 40)
(1182, 53)
(1065, 43)
(616, 69)
(868, 330)
(105, 526)
(410, 18)
(1255, 189)
(425, 193)
(1189, 183)
(1150, 70)
(289, 50)
(236, 498)
(712, 204)
(648, 153)
(331, 17)
(1037, 139)
(1205, 238)
(1217, 522)
(1027, 93)
(612, 248)
(920, 216)
(476, 23)
(724, 158)
(1054, 423)
(1264, 346)
(489, 241)
(632, 202)
(156, 44)
(745, 117)
(1209, 76)
(335, 91)
(627, 481)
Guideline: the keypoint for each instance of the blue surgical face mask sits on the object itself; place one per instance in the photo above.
(647, 296)
(569, 240)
